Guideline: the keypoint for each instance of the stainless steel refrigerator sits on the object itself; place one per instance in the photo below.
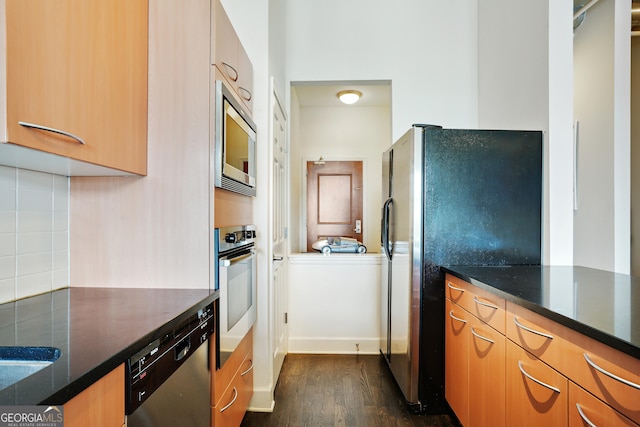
(451, 197)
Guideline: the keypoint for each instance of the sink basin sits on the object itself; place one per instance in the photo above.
(17, 363)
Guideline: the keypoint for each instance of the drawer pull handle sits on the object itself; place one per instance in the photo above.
(230, 68)
(533, 331)
(249, 369)
(584, 417)
(235, 396)
(609, 374)
(481, 337)
(454, 288)
(550, 387)
(245, 93)
(48, 129)
(456, 318)
(486, 304)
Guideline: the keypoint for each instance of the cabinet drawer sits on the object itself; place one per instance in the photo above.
(605, 372)
(536, 394)
(223, 376)
(233, 404)
(585, 409)
(456, 388)
(482, 304)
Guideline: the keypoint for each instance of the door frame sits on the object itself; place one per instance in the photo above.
(303, 190)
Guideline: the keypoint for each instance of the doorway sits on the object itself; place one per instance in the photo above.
(334, 200)
(321, 126)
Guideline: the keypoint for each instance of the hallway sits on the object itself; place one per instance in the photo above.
(339, 390)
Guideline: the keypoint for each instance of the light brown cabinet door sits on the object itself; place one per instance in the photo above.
(456, 387)
(486, 375)
(100, 405)
(334, 200)
(79, 67)
(536, 394)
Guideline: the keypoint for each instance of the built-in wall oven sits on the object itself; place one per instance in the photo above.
(236, 281)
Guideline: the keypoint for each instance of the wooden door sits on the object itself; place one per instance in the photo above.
(334, 200)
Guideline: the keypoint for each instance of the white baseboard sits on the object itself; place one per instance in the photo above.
(314, 345)
(262, 400)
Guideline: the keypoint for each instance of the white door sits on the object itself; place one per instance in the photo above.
(279, 275)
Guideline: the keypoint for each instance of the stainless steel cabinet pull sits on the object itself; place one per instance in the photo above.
(230, 68)
(249, 369)
(609, 374)
(277, 258)
(584, 417)
(480, 336)
(48, 129)
(245, 93)
(550, 387)
(454, 288)
(486, 304)
(235, 396)
(456, 318)
(533, 331)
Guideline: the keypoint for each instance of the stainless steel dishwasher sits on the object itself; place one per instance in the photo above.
(168, 382)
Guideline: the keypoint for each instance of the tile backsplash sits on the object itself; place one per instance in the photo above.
(34, 233)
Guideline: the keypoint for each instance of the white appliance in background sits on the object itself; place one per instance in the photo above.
(452, 197)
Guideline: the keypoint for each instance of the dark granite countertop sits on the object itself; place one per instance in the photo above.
(97, 329)
(600, 304)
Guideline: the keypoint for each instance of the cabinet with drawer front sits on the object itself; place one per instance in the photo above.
(553, 375)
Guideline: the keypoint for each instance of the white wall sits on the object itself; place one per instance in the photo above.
(334, 303)
(34, 233)
(426, 48)
(341, 133)
(601, 230)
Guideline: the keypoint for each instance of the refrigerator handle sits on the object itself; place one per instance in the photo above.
(386, 208)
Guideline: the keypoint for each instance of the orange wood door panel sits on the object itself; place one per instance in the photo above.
(585, 410)
(536, 395)
(457, 361)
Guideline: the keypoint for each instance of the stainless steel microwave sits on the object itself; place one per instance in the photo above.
(235, 144)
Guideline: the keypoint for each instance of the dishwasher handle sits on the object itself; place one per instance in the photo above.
(182, 349)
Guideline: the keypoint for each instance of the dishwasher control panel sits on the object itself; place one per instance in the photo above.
(148, 368)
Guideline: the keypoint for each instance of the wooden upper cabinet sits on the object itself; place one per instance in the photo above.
(229, 56)
(79, 67)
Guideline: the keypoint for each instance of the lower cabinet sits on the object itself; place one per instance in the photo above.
(100, 405)
(232, 385)
(474, 369)
(537, 395)
(586, 410)
(535, 372)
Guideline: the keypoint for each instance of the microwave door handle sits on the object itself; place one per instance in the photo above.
(227, 261)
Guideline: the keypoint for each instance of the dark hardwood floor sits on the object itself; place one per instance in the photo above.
(339, 390)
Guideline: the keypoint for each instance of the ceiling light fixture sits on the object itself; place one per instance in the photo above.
(349, 96)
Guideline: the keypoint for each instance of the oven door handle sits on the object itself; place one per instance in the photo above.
(227, 261)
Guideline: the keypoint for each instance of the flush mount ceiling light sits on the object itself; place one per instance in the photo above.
(349, 96)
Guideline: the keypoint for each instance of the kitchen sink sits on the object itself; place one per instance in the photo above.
(19, 362)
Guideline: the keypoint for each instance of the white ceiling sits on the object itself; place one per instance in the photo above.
(324, 94)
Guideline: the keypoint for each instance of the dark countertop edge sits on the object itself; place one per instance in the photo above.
(579, 327)
(92, 376)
